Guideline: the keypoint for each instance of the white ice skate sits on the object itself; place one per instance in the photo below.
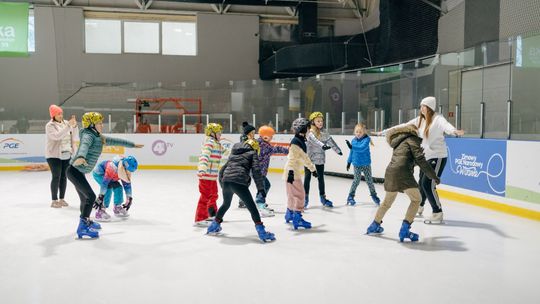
(265, 211)
(436, 219)
(420, 211)
(120, 211)
(203, 224)
(102, 215)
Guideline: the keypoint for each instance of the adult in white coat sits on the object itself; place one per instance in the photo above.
(431, 128)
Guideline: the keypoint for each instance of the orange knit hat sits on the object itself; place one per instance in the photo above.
(266, 131)
(55, 110)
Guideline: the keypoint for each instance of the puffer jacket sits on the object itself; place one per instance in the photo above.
(242, 161)
(407, 152)
(360, 154)
(91, 146)
(314, 147)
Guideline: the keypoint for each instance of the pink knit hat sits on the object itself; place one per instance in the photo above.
(55, 110)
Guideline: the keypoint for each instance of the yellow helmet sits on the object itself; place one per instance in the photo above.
(212, 128)
(91, 118)
(315, 115)
(254, 144)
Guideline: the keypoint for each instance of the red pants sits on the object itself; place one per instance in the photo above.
(207, 201)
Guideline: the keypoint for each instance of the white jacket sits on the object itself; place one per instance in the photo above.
(56, 132)
(434, 145)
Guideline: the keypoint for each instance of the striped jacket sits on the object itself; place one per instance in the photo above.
(210, 159)
(91, 146)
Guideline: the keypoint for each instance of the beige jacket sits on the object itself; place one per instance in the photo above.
(296, 161)
(55, 134)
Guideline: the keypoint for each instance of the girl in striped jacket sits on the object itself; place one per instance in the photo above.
(207, 171)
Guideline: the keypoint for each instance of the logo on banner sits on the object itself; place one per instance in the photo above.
(478, 165)
(11, 146)
(159, 147)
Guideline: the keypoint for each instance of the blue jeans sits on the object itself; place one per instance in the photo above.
(118, 192)
(260, 199)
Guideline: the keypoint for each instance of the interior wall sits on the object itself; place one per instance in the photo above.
(228, 47)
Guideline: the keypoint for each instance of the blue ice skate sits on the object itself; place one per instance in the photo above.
(264, 235)
(405, 233)
(326, 202)
(350, 200)
(376, 199)
(298, 221)
(288, 216)
(374, 228)
(84, 229)
(214, 228)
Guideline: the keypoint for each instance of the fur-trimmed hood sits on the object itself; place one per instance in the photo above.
(396, 135)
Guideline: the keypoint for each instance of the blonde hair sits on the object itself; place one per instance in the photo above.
(315, 131)
(363, 128)
(429, 120)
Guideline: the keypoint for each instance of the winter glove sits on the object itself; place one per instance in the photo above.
(437, 180)
(314, 173)
(348, 143)
(340, 153)
(80, 161)
(348, 166)
(326, 147)
(128, 202)
(115, 184)
(290, 177)
(98, 204)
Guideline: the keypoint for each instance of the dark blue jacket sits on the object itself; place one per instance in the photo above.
(360, 154)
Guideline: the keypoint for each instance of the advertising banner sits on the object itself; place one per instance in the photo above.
(476, 164)
(13, 29)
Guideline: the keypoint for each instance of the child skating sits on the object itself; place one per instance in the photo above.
(318, 141)
(83, 161)
(234, 178)
(360, 158)
(208, 169)
(399, 177)
(266, 134)
(248, 132)
(297, 159)
(113, 176)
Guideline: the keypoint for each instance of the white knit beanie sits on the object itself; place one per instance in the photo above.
(429, 102)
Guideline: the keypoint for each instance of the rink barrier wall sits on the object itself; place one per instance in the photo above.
(501, 175)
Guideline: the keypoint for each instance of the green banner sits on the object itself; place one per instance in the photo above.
(13, 29)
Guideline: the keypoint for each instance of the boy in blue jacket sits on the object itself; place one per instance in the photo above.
(360, 158)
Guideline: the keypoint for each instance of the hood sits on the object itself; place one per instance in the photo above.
(241, 148)
(396, 135)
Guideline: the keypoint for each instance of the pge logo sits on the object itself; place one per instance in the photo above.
(10, 144)
(159, 147)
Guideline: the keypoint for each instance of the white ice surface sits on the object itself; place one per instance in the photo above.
(157, 256)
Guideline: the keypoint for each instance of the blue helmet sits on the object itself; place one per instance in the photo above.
(130, 163)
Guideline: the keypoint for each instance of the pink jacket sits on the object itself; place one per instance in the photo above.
(55, 132)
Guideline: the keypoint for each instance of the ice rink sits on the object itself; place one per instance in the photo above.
(158, 256)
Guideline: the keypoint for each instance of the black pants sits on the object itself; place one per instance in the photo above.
(243, 192)
(307, 179)
(427, 185)
(86, 194)
(59, 179)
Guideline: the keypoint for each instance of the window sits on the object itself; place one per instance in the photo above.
(31, 32)
(103, 36)
(141, 37)
(179, 38)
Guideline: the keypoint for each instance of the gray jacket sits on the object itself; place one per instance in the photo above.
(314, 147)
